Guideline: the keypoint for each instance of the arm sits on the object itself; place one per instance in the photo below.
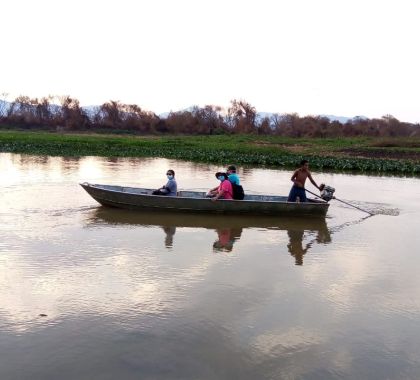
(218, 195)
(213, 191)
(166, 188)
(312, 181)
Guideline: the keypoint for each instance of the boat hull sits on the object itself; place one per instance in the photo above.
(196, 202)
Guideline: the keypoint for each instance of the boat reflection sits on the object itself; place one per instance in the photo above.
(227, 227)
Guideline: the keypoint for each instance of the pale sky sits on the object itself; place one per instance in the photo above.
(346, 58)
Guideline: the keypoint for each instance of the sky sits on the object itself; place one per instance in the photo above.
(326, 57)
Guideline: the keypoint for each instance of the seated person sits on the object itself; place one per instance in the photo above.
(170, 188)
(224, 190)
(233, 177)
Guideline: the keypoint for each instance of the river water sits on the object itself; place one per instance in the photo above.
(94, 293)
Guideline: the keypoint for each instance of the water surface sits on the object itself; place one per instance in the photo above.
(89, 292)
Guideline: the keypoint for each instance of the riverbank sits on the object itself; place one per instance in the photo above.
(396, 155)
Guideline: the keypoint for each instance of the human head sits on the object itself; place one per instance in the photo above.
(231, 169)
(303, 163)
(221, 174)
(170, 172)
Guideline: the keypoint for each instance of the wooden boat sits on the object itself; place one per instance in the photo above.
(194, 201)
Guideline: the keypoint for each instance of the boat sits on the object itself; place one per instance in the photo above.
(137, 198)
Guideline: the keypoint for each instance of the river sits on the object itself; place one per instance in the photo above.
(89, 292)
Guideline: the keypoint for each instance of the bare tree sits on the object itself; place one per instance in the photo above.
(241, 117)
(72, 115)
(209, 119)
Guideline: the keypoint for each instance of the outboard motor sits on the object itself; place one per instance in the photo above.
(327, 192)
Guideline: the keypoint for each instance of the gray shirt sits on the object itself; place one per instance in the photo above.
(171, 188)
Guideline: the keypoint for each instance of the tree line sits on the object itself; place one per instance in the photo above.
(65, 113)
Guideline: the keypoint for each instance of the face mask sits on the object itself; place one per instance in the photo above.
(221, 178)
(170, 176)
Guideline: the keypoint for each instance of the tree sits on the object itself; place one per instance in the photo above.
(209, 119)
(72, 115)
(241, 117)
(264, 127)
(110, 114)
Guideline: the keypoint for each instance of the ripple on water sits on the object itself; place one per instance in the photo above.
(370, 207)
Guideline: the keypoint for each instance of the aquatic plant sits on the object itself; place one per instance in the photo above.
(212, 149)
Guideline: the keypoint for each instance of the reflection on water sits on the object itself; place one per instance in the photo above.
(298, 248)
(225, 238)
(94, 293)
(228, 228)
(169, 238)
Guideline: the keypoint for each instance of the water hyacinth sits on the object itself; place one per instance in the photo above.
(210, 149)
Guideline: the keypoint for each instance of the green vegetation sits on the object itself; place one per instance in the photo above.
(397, 155)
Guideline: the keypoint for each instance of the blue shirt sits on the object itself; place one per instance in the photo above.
(234, 178)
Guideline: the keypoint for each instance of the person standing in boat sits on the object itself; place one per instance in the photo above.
(170, 188)
(223, 191)
(297, 192)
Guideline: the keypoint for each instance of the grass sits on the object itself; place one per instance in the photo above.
(340, 154)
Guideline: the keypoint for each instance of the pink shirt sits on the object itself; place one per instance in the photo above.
(227, 187)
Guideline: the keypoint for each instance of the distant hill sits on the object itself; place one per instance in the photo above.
(4, 106)
(262, 115)
(341, 119)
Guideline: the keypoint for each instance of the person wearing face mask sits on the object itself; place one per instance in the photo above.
(170, 188)
(224, 190)
(233, 177)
